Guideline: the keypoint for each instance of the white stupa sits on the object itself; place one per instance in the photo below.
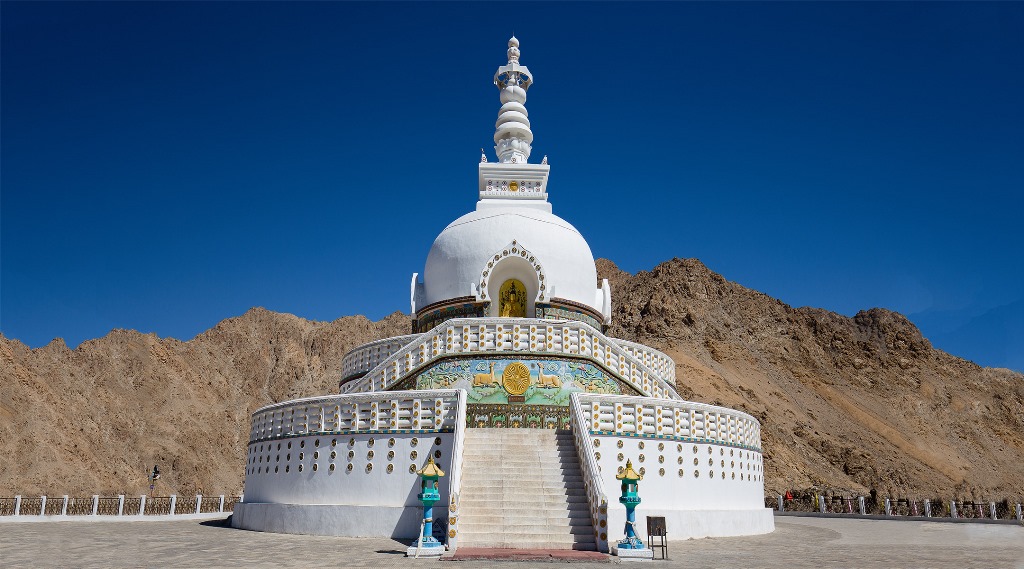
(510, 385)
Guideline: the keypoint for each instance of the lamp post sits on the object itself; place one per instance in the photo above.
(631, 547)
(425, 543)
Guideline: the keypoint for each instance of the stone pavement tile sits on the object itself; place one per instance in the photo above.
(812, 543)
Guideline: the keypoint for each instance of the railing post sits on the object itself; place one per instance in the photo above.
(927, 508)
(120, 504)
(222, 503)
(992, 510)
(142, 505)
(860, 504)
(952, 509)
(782, 507)
(888, 507)
(199, 502)
(64, 508)
(821, 504)
(174, 502)
(17, 505)
(95, 504)
(42, 505)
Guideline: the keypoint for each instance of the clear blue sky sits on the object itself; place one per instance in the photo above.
(168, 165)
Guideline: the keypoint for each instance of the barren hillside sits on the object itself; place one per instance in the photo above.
(845, 403)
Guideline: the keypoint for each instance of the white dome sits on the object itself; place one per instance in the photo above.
(462, 251)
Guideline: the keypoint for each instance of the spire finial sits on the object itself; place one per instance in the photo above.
(513, 137)
(513, 50)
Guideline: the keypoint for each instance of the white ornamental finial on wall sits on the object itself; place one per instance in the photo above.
(512, 136)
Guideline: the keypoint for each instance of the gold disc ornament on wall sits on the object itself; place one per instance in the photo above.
(516, 378)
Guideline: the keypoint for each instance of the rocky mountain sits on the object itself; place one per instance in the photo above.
(845, 403)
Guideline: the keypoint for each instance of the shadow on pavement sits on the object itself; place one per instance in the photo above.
(225, 523)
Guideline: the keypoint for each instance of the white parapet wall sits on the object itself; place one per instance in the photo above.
(346, 464)
(702, 465)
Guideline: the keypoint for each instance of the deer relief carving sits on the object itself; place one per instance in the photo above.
(545, 380)
(485, 378)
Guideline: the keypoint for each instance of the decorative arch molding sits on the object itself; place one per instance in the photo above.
(512, 250)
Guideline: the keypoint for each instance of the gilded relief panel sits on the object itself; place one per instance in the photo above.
(526, 381)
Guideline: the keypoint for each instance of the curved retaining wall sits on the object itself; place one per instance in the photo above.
(346, 465)
(702, 465)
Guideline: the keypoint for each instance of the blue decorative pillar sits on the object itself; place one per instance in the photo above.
(631, 547)
(425, 543)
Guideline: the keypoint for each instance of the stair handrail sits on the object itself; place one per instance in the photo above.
(458, 454)
(596, 498)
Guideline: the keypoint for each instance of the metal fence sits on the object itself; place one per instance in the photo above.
(54, 506)
(31, 506)
(894, 507)
(210, 505)
(107, 506)
(7, 506)
(158, 506)
(116, 505)
(132, 504)
(79, 506)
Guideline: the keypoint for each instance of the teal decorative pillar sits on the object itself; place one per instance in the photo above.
(631, 547)
(425, 543)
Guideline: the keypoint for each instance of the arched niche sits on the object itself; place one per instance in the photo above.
(513, 262)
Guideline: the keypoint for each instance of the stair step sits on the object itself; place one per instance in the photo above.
(504, 521)
(523, 482)
(524, 541)
(546, 519)
(526, 461)
(511, 489)
(512, 537)
(509, 502)
(499, 465)
(582, 511)
(534, 545)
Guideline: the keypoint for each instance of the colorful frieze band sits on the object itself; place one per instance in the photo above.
(522, 381)
(517, 416)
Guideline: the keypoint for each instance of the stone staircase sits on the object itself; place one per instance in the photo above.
(523, 489)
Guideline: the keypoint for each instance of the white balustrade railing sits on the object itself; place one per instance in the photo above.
(512, 335)
(366, 357)
(455, 475)
(434, 410)
(659, 362)
(596, 498)
(639, 416)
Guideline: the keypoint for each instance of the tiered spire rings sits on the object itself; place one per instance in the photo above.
(513, 137)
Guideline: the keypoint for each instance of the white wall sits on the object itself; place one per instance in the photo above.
(694, 505)
(358, 486)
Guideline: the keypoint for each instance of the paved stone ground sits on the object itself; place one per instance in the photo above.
(796, 543)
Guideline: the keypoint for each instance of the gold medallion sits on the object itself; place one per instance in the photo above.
(516, 378)
(514, 186)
